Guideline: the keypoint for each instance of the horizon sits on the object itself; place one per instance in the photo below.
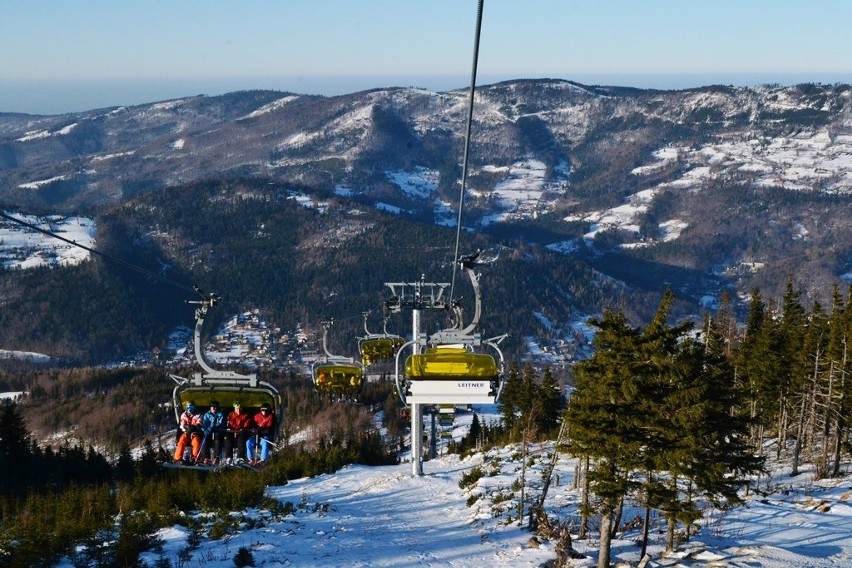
(67, 96)
(69, 57)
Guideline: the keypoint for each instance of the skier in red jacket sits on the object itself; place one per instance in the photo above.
(264, 422)
(238, 424)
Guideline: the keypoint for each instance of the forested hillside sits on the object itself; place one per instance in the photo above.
(698, 189)
(252, 243)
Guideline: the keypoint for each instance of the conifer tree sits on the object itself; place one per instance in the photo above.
(605, 420)
(840, 387)
(552, 403)
(794, 360)
(124, 467)
(757, 365)
(474, 432)
(806, 395)
(14, 449)
(711, 455)
(528, 405)
(510, 400)
(664, 373)
(725, 324)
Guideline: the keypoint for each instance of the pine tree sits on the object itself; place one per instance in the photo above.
(552, 403)
(510, 400)
(757, 366)
(14, 450)
(605, 419)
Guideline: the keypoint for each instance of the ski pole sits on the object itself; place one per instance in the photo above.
(201, 448)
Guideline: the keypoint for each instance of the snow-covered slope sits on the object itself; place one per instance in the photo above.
(384, 516)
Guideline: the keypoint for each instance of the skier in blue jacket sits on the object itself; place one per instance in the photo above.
(213, 426)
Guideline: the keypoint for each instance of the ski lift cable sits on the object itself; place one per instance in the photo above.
(467, 141)
(109, 257)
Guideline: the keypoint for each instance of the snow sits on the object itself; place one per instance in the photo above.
(344, 131)
(273, 106)
(21, 247)
(541, 355)
(112, 155)
(444, 214)
(385, 516)
(564, 247)
(810, 160)
(38, 183)
(521, 193)
(12, 395)
(168, 105)
(672, 229)
(41, 134)
(419, 183)
(244, 339)
(544, 320)
(389, 208)
(308, 202)
(25, 355)
(664, 157)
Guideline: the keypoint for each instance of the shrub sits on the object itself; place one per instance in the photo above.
(470, 478)
(243, 558)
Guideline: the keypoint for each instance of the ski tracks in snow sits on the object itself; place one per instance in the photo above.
(395, 520)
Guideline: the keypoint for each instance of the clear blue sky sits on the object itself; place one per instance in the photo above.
(64, 55)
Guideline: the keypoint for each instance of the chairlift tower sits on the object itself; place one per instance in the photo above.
(448, 367)
(416, 296)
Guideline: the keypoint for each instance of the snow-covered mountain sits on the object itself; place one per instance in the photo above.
(698, 189)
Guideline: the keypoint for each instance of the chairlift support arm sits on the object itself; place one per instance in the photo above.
(211, 376)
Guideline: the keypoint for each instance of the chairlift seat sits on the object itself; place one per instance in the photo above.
(450, 362)
(251, 399)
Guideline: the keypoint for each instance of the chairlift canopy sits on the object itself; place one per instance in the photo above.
(450, 362)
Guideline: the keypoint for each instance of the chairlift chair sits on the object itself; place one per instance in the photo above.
(453, 369)
(224, 387)
(336, 375)
(375, 347)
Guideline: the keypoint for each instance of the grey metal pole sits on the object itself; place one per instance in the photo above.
(416, 409)
(433, 437)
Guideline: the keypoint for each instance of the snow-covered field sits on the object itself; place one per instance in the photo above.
(21, 247)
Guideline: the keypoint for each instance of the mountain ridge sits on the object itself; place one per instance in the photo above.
(700, 190)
